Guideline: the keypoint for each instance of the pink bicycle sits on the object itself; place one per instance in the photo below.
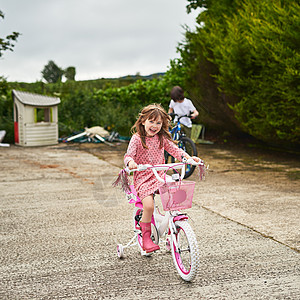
(171, 228)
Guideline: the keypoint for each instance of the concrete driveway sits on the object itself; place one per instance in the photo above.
(61, 221)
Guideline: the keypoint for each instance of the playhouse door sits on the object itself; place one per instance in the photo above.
(16, 124)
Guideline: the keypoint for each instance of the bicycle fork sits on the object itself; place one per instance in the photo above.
(173, 231)
(167, 221)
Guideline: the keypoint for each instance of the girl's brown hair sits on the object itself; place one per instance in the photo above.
(152, 112)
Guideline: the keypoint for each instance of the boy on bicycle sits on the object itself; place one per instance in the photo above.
(182, 106)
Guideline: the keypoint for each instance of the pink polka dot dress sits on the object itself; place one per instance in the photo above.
(145, 182)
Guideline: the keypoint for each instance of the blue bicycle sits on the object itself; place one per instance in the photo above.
(184, 143)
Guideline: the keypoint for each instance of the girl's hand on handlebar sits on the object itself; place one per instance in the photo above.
(132, 165)
(192, 160)
(196, 159)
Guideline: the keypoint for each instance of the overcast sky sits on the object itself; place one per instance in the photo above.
(100, 38)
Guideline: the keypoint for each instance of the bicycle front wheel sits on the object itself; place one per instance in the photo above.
(187, 145)
(185, 251)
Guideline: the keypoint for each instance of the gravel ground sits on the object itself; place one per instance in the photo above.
(61, 221)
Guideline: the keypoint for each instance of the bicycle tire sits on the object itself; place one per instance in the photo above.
(186, 259)
(189, 147)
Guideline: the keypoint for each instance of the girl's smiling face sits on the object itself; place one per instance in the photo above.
(152, 127)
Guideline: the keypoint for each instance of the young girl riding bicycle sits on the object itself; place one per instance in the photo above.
(150, 138)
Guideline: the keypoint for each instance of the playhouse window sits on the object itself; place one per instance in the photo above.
(42, 115)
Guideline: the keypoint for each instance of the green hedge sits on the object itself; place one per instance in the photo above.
(103, 103)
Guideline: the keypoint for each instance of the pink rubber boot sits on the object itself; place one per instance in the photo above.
(148, 244)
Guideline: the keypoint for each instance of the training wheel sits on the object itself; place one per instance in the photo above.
(120, 250)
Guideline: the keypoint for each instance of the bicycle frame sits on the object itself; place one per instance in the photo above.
(176, 130)
(160, 221)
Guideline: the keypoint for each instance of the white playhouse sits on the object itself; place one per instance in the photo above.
(35, 119)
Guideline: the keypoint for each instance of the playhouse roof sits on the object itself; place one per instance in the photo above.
(35, 99)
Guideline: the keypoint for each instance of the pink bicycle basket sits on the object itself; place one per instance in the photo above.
(177, 195)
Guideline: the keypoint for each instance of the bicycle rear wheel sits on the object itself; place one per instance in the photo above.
(186, 254)
(187, 145)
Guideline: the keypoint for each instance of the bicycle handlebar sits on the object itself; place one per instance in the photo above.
(180, 116)
(155, 168)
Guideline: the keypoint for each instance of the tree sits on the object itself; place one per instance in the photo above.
(7, 42)
(200, 71)
(6, 110)
(243, 65)
(52, 73)
(70, 73)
